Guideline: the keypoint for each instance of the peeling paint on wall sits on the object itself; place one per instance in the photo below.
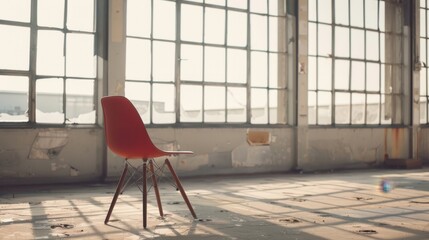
(258, 138)
(48, 144)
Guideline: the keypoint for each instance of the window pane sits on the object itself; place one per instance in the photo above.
(80, 15)
(372, 45)
(139, 17)
(214, 104)
(10, 8)
(191, 23)
(237, 66)
(216, 2)
(191, 62)
(312, 10)
(80, 58)
(356, 18)
(259, 108)
(371, 14)
(372, 76)
(342, 108)
(191, 103)
(312, 38)
(14, 47)
(49, 100)
(274, 104)
(312, 73)
(164, 20)
(324, 74)
(237, 28)
(259, 6)
(324, 108)
(258, 69)
(342, 74)
(13, 98)
(358, 108)
(358, 41)
(237, 4)
(342, 42)
(163, 103)
(163, 61)
(50, 13)
(312, 97)
(373, 109)
(214, 26)
(80, 101)
(258, 32)
(358, 75)
(325, 40)
(50, 53)
(139, 95)
(138, 59)
(277, 79)
(214, 68)
(342, 12)
(236, 104)
(325, 11)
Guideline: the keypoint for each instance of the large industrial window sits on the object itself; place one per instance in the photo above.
(211, 61)
(47, 61)
(355, 62)
(424, 38)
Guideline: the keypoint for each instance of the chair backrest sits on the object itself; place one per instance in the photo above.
(125, 131)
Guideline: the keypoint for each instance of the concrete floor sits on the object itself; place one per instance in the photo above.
(339, 205)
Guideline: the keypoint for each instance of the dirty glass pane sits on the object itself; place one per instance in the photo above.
(373, 109)
(80, 108)
(324, 108)
(324, 74)
(382, 48)
(50, 13)
(385, 115)
(358, 43)
(342, 108)
(258, 32)
(258, 69)
(138, 59)
(259, 106)
(163, 103)
(80, 15)
(214, 68)
(80, 57)
(276, 79)
(423, 110)
(274, 104)
(342, 74)
(237, 66)
(358, 108)
(10, 8)
(214, 104)
(139, 18)
(214, 29)
(164, 19)
(163, 61)
(191, 63)
(14, 47)
(13, 98)
(342, 44)
(191, 23)
(49, 100)
(237, 28)
(358, 75)
(139, 95)
(312, 73)
(423, 82)
(191, 103)
(50, 53)
(236, 104)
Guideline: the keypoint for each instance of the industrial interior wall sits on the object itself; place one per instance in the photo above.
(61, 155)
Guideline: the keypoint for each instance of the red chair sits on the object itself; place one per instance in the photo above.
(127, 137)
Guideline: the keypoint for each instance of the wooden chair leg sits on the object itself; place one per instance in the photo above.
(144, 193)
(118, 190)
(179, 185)
(155, 187)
